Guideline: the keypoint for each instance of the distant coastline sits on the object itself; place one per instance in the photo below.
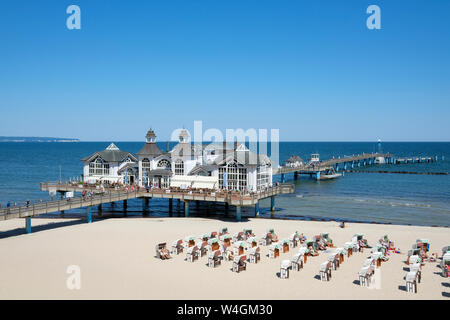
(37, 139)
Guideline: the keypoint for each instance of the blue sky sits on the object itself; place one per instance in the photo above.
(311, 69)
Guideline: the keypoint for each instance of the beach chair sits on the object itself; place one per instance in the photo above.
(265, 240)
(425, 243)
(189, 241)
(327, 239)
(248, 233)
(325, 271)
(223, 231)
(348, 247)
(177, 247)
(273, 237)
(214, 258)
(417, 268)
(226, 238)
(239, 248)
(213, 244)
(238, 236)
(293, 240)
(377, 256)
(252, 242)
(414, 259)
(341, 253)
(334, 260)
(355, 245)
(274, 250)
(192, 254)
(239, 263)
(411, 282)
(158, 248)
(304, 252)
(445, 265)
(254, 254)
(297, 262)
(445, 250)
(361, 240)
(284, 269)
(285, 245)
(204, 248)
(365, 275)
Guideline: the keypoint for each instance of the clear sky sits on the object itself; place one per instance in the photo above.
(311, 69)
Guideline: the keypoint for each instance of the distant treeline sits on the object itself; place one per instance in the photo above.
(37, 139)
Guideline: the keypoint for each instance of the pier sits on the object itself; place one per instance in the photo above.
(329, 169)
(109, 195)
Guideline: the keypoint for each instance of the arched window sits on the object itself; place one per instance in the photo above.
(236, 176)
(165, 164)
(179, 167)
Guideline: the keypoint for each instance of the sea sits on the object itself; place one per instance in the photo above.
(391, 198)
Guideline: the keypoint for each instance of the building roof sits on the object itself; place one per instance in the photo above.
(111, 154)
(186, 149)
(130, 165)
(244, 157)
(160, 172)
(201, 168)
(150, 149)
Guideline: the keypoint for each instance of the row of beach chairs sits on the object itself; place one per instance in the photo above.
(416, 259)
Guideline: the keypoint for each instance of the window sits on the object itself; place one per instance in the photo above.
(179, 167)
(98, 167)
(165, 164)
(262, 177)
(236, 176)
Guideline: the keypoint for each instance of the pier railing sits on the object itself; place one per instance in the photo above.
(96, 196)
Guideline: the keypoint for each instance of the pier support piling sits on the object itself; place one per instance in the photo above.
(318, 175)
(238, 214)
(272, 203)
(145, 206)
(257, 209)
(186, 208)
(89, 214)
(170, 206)
(295, 175)
(99, 210)
(28, 224)
(227, 206)
(125, 205)
(283, 179)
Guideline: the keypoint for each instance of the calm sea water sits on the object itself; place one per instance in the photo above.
(365, 197)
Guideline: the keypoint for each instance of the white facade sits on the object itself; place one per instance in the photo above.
(232, 169)
(110, 165)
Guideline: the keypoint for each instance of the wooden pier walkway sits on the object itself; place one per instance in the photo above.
(108, 195)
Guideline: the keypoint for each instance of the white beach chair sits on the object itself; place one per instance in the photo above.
(214, 258)
(369, 262)
(325, 271)
(273, 249)
(297, 262)
(365, 275)
(177, 246)
(254, 254)
(355, 243)
(348, 247)
(445, 264)
(377, 256)
(239, 263)
(284, 269)
(417, 268)
(411, 282)
(293, 240)
(334, 260)
(445, 250)
(192, 253)
(414, 259)
(265, 240)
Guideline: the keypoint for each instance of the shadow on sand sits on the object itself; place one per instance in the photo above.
(44, 227)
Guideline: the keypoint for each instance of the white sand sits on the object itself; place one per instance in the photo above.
(116, 257)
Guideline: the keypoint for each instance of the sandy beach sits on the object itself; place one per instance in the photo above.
(116, 259)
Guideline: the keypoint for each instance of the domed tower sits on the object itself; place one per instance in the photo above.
(150, 137)
(147, 156)
(184, 136)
